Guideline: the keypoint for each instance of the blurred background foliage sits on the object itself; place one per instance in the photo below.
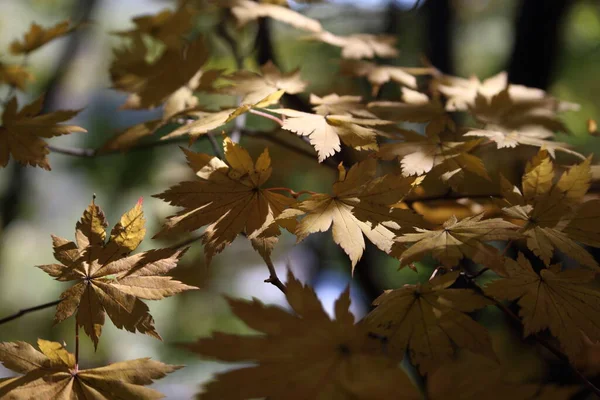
(462, 37)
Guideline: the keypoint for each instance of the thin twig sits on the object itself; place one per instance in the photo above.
(24, 311)
(267, 116)
(273, 279)
(215, 146)
(76, 345)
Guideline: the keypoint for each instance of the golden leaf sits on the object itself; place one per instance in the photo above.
(360, 205)
(22, 132)
(108, 280)
(247, 10)
(340, 105)
(15, 75)
(127, 138)
(256, 88)
(361, 45)
(562, 301)
(318, 357)
(227, 198)
(427, 320)
(457, 240)
(325, 132)
(378, 75)
(52, 374)
(37, 36)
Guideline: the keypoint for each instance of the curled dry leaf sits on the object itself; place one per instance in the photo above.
(108, 279)
(227, 198)
(428, 320)
(319, 357)
(22, 133)
(562, 301)
(51, 373)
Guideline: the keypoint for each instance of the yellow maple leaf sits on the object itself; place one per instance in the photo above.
(553, 214)
(37, 36)
(564, 301)
(325, 131)
(247, 10)
(108, 279)
(360, 45)
(360, 205)
(301, 355)
(474, 377)
(227, 198)
(378, 75)
(51, 373)
(256, 87)
(22, 132)
(428, 320)
(456, 240)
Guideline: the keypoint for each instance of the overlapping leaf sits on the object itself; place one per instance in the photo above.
(333, 104)
(378, 75)
(563, 301)
(428, 320)
(227, 198)
(22, 133)
(108, 279)
(553, 214)
(360, 205)
(456, 240)
(325, 131)
(301, 355)
(51, 373)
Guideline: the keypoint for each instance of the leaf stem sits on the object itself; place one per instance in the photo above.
(266, 115)
(24, 311)
(273, 279)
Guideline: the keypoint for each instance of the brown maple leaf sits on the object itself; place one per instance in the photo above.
(429, 320)
(37, 36)
(377, 75)
(227, 198)
(247, 10)
(15, 75)
(51, 373)
(340, 105)
(456, 240)
(360, 45)
(109, 280)
(563, 301)
(306, 351)
(22, 132)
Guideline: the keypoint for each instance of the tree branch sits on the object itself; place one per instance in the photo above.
(24, 311)
(273, 279)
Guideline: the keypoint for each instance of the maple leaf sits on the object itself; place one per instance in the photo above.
(553, 214)
(564, 302)
(340, 105)
(476, 377)
(166, 25)
(378, 75)
(510, 123)
(428, 319)
(109, 280)
(15, 75)
(256, 87)
(301, 355)
(361, 45)
(457, 240)
(51, 373)
(431, 153)
(227, 198)
(360, 205)
(414, 107)
(325, 131)
(152, 83)
(128, 137)
(22, 132)
(247, 10)
(37, 36)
